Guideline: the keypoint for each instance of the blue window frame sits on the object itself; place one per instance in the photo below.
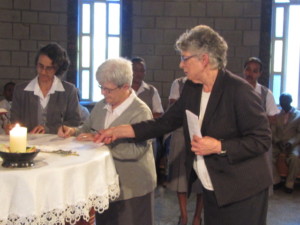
(285, 47)
(99, 38)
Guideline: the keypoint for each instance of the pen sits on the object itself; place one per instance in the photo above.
(92, 129)
(62, 122)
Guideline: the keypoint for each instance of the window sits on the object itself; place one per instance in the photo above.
(285, 62)
(99, 38)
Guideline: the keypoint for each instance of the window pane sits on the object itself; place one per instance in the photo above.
(100, 46)
(85, 47)
(113, 47)
(278, 56)
(114, 19)
(99, 38)
(99, 34)
(85, 84)
(86, 14)
(276, 87)
(293, 54)
(97, 96)
(281, 1)
(279, 21)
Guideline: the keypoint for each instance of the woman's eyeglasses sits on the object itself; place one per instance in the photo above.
(186, 58)
(108, 90)
(48, 69)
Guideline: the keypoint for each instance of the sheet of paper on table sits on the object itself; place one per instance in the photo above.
(193, 124)
(60, 143)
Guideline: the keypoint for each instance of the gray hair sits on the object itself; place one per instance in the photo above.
(204, 40)
(117, 71)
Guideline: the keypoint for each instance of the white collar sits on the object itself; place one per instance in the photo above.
(143, 86)
(258, 88)
(34, 86)
(123, 106)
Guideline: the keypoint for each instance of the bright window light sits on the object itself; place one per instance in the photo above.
(100, 45)
(285, 70)
(276, 87)
(293, 51)
(85, 57)
(114, 19)
(99, 37)
(278, 56)
(279, 22)
(113, 47)
(86, 15)
(85, 75)
(282, 1)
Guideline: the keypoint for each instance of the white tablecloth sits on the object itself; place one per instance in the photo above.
(58, 188)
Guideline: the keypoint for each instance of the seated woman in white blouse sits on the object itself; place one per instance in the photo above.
(45, 102)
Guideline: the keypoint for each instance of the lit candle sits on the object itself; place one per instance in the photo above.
(18, 139)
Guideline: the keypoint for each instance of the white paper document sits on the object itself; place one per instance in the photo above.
(193, 124)
(2, 110)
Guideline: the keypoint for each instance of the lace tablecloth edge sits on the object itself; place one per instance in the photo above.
(72, 214)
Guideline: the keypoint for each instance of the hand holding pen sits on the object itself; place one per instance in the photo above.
(65, 131)
(39, 129)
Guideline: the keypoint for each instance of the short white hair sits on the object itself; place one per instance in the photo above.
(117, 71)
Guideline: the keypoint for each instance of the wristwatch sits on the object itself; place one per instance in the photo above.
(223, 150)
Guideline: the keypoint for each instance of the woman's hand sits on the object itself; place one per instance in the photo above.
(206, 145)
(8, 127)
(105, 136)
(65, 131)
(109, 135)
(85, 137)
(39, 129)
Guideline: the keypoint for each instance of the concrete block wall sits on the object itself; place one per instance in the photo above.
(158, 23)
(25, 26)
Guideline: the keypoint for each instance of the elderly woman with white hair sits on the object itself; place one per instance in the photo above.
(134, 161)
(229, 159)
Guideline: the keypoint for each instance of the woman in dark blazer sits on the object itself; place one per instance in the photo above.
(229, 159)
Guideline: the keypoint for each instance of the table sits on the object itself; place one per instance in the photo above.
(58, 189)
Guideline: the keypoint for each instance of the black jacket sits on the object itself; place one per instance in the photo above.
(234, 115)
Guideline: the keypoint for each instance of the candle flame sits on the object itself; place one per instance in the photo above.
(17, 125)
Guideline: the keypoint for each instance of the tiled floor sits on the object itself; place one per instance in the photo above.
(284, 209)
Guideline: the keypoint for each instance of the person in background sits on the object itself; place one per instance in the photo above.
(134, 161)
(8, 90)
(45, 102)
(286, 139)
(149, 94)
(253, 69)
(229, 157)
(177, 179)
(84, 112)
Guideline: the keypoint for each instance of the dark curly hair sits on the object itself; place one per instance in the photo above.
(58, 55)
